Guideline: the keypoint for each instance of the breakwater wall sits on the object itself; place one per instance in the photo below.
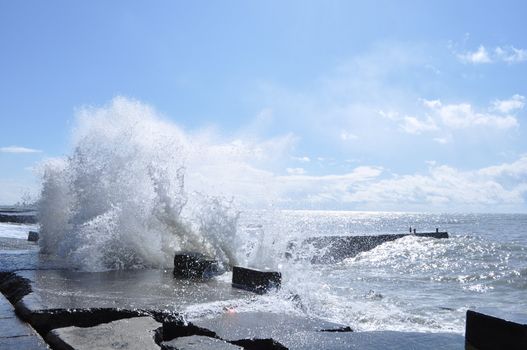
(331, 249)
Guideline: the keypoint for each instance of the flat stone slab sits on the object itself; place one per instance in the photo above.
(381, 340)
(19, 343)
(198, 342)
(6, 309)
(128, 334)
(15, 334)
(125, 289)
(263, 325)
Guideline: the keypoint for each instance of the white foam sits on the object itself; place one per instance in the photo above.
(137, 188)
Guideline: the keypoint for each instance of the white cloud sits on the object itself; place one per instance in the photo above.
(511, 54)
(295, 171)
(481, 55)
(304, 159)
(412, 125)
(507, 54)
(18, 149)
(463, 115)
(442, 187)
(506, 106)
(517, 169)
(448, 187)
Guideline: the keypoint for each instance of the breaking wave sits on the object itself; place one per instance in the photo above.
(122, 198)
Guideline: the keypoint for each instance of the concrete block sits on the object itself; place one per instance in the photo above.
(23, 343)
(258, 281)
(198, 342)
(32, 236)
(128, 334)
(195, 265)
(495, 330)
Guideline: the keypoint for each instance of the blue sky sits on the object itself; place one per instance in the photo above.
(407, 105)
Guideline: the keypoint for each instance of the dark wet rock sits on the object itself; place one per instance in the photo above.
(493, 329)
(195, 265)
(332, 249)
(198, 342)
(128, 334)
(13, 286)
(234, 327)
(258, 281)
(32, 236)
(380, 340)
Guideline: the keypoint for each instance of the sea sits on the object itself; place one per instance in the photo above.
(410, 284)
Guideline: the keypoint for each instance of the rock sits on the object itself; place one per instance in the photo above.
(258, 281)
(492, 329)
(195, 265)
(32, 236)
(198, 342)
(129, 334)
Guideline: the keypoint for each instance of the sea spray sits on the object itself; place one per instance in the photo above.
(119, 200)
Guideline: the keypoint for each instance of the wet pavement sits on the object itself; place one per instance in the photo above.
(122, 309)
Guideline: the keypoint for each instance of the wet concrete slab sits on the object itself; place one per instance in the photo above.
(26, 343)
(128, 334)
(124, 289)
(263, 325)
(15, 334)
(198, 342)
(371, 340)
(6, 309)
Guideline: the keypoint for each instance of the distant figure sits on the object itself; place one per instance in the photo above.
(437, 230)
(414, 230)
(410, 229)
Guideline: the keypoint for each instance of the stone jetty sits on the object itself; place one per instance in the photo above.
(332, 249)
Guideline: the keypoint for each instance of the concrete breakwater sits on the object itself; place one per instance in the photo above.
(18, 216)
(332, 249)
(148, 309)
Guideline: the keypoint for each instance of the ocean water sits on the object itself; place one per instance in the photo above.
(411, 284)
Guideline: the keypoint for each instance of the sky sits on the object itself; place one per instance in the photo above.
(376, 105)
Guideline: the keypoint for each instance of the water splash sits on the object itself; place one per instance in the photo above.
(120, 199)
